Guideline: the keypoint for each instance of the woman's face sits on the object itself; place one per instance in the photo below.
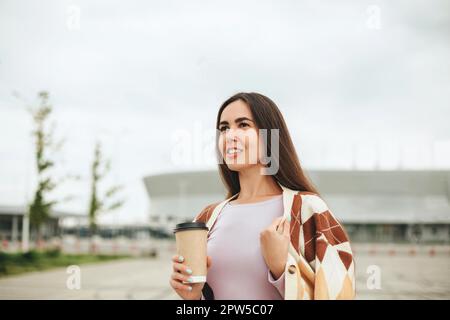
(238, 139)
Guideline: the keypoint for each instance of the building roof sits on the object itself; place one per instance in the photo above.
(187, 182)
(413, 196)
(389, 208)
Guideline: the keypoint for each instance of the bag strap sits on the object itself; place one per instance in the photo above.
(207, 291)
(216, 212)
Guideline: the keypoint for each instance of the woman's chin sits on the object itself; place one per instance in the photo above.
(234, 166)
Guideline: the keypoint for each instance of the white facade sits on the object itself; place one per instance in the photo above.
(382, 198)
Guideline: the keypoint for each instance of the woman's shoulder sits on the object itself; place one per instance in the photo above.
(323, 219)
(312, 201)
(206, 212)
(312, 205)
(319, 222)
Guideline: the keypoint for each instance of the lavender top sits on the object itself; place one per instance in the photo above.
(238, 269)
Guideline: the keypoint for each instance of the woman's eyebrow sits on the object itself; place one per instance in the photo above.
(237, 120)
(242, 119)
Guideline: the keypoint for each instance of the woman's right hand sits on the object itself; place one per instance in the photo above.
(181, 272)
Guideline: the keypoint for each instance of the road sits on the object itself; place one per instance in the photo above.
(402, 276)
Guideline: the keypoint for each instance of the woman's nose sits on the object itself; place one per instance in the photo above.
(231, 136)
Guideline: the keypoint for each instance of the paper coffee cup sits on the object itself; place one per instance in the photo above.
(191, 240)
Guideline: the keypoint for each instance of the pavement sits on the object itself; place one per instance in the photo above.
(400, 275)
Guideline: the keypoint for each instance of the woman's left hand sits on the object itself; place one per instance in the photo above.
(275, 245)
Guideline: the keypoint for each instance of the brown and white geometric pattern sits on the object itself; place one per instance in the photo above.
(321, 240)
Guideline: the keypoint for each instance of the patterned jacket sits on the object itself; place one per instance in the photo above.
(320, 262)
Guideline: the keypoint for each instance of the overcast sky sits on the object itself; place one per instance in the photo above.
(362, 84)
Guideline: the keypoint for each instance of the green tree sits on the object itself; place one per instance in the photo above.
(108, 200)
(43, 133)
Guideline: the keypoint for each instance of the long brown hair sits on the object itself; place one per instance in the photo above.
(266, 116)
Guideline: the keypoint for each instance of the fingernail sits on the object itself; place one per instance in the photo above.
(289, 218)
(180, 258)
(190, 288)
(190, 279)
(189, 271)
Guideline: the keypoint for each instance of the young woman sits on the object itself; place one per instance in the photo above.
(273, 237)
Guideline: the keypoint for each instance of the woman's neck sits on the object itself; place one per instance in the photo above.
(255, 185)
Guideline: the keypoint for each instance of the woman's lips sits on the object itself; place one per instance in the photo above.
(233, 152)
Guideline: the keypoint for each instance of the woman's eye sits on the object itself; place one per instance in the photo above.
(243, 124)
(222, 129)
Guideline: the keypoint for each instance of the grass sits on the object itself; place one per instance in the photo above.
(17, 263)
